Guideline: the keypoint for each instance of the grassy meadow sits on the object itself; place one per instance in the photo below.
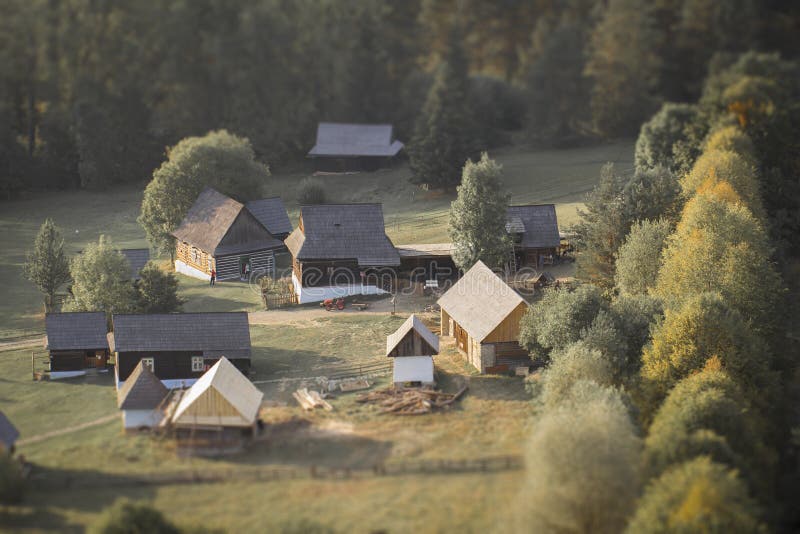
(562, 177)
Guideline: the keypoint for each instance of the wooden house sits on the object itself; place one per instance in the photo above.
(483, 314)
(8, 435)
(179, 347)
(413, 338)
(137, 259)
(340, 250)
(142, 399)
(272, 215)
(222, 398)
(425, 263)
(534, 232)
(342, 147)
(221, 234)
(414, 371)
(76, 342)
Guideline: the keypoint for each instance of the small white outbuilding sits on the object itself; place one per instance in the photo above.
(141, 399)
(414, 370)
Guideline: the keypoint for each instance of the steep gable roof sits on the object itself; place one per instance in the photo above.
(76, 331)
(231, 385)
(537, 223)
(343, 231)
(8, 432)
(272, 214)
(412, 323)
(137, 258)
(208, 220)
(342, 139)
(480, 301)
(214, 333)
(141, 391)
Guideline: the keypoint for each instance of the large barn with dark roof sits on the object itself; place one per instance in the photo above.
(76, 342)
(343, 147)
(534, 231)
(339, 250)
(179, 347)
(221, 234)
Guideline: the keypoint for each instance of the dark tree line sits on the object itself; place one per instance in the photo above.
(91, 92)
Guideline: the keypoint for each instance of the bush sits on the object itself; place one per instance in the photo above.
(12, 485)
(126, 517)
(310, 191)
(568, 366)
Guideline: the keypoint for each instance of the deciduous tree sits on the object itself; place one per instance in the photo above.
(101, 280)
(639, 257)
(47, 266)
(157, 291)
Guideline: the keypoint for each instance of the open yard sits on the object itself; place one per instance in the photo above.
(562, 177)
(491, 420)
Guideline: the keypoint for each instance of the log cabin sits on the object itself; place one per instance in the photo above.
(76, 342)
(342, 147)
(179, 347)
(534, 232)
(426, 263)
(272, 215)
(221, 234)
(413, 338)
(340, 250)
(483, 314)
(141, 399)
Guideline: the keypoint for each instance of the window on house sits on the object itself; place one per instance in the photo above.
(195, 255)
(198, 365)
(150, 363)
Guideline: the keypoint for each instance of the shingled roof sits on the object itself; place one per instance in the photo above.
(208, 221)
(412, 323)
(213, 334)
(272, 214)
(480, 301)
(343, 231)
(76, 331)
(536, 222)
(8, 432)
(137, 258)
(141, 391)
(342, 140)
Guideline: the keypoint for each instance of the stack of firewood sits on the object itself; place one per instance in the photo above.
(311, 399)
(410, 401)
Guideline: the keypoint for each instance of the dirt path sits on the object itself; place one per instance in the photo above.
(33, 341)
(68, 430)
(304, 315)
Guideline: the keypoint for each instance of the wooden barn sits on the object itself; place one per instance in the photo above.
(8, 435)
(179, 347)
(483, 314)
(142, 399)
(425, 263)
(340, 250)
(222, 398)
(413, 338)
(137, 259)
(534, 231)
(342, 147)
(221, 234)
(76, 342)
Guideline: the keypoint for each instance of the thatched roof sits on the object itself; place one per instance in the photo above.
(76, 331)
(341, 232)
(208, 221)
(8, 432)
(137, 258)
(412, 323)
(141, 391)
(272, 214)
(213, 334)
(413, 369)
(342, 140)
(480, 301)
(425, 250)
(537, 223)
(222, 396)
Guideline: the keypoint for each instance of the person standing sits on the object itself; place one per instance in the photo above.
(213, 277)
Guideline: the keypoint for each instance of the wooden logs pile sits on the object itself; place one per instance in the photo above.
(410, 401)
(311, 399)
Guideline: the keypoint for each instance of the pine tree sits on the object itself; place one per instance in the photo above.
(445, 133)
(47, 265)
(478, 216)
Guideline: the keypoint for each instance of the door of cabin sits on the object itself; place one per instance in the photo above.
(245, 267)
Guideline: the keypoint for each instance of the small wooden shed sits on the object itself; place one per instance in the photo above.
(222, 397)
(142, 399)
(413, 338)
(76, 342)
(534, 232)
(483, 313)
(8, 435)
(343, 147)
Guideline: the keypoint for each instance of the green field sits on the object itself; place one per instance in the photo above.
(562, 177)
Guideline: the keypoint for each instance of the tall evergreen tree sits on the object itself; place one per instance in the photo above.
(47, 265)
(478, 216)
(445, 133)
